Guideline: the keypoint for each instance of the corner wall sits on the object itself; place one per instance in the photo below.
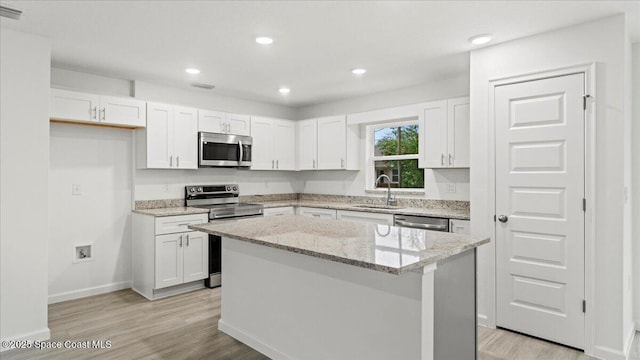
(601, 41)
(24, 150)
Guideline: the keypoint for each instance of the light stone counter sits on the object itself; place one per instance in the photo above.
(171, 211)
(385, 248)
(449, 213)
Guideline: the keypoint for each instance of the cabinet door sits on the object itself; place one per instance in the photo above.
(169, 261)
(458, 129)
(196, 256)
(308, 144)
(332, 142)
(211, 121)
(317, 212)
(360, 216)
(185, 138)
(239, 124)
(284, 144)
(262, 149)
(433, 135)
(460, 226)
(122, 111)
(159, 136)
(73, 106)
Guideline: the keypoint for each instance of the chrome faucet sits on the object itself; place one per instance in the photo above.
(390, 201)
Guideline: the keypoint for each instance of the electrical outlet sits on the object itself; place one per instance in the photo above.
(76, 189)
(451, 188)
(166, 188)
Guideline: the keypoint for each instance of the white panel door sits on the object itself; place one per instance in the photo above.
(210, 121)
(122, 111)
(159, 136)
(262, 149)
(73, 105)
(169, 262)
(539, 202)
(196, 256)
(284, 145)
(308, 144)
(239, 124)
(458, 133)
(185, 138)
(433, 135)
(332, 142)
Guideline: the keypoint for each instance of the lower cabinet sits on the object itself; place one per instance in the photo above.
(460, 226)
(368, 217)
(317, 212)
(279, 211)
(168, 258)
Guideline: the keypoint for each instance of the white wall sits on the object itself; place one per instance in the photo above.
(353, 182)
(602, 41)
(636, 178)
(24, 150)
(100, 160)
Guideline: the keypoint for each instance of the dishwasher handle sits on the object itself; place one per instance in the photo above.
(421, 226)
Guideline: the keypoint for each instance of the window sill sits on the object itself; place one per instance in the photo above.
(396, 191)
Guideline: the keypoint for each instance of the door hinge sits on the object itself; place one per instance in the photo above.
(584, 306)
(584, 204)
(584, 101)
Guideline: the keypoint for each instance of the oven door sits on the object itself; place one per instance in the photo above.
(223, 150)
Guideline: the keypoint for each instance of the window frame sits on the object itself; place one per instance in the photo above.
(370, 157)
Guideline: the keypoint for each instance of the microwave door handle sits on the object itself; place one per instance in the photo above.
(241, 152)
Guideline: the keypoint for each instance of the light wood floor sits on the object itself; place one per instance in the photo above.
(185, 327)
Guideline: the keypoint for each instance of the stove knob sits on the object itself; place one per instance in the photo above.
(200, 189)
(228, 188)
(192, 189)
(235, 188)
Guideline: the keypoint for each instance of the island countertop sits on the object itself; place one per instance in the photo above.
(385, 248)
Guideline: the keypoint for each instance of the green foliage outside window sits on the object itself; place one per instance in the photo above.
(401, 140)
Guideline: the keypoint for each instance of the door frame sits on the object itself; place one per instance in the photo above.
(589, 71)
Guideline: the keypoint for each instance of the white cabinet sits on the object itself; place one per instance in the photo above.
(328, 143)
(274, 144)
(460, 226)
(368, 217)
(279, 211)
(168, 257)
(225, 123)
(444, 134)
(74, 106)
(170, 139)
(317, 212)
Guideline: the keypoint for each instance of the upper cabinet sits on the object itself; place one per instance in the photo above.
(444, 134)
(274, 144)
(225, 123)
(170, 139)
(328, 143)
(74, 106)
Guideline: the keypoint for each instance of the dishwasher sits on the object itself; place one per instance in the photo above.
(455, 292)
(422, 222)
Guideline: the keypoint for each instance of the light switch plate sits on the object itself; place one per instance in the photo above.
(76, 189)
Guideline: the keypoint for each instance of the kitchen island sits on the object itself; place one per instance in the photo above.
(305, 288)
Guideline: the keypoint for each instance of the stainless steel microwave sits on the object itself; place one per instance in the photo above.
(223, 150)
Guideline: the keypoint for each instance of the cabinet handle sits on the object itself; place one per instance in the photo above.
(104, 113)
(171, 161)
(450, 160)
(314, 163)
(273, 164)
(177, 161)
(277, 164)
(94, 112)
(442, 159)
(187, 239)
(180, 240)
(341, 163)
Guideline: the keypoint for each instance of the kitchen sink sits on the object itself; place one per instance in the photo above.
(373, 206)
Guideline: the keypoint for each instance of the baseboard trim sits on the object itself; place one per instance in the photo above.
(38, 335)
(251, 341)
(96, 290)
(603, 352)
(483, 320)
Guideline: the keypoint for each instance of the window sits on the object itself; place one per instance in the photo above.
(393, 151)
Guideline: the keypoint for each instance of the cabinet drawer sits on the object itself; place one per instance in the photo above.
(175, 224)
(369, 217)
(317, 212)
(285, 210)
(460, 226)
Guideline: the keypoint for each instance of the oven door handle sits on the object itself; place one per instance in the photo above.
(421, 226)
(241, 152)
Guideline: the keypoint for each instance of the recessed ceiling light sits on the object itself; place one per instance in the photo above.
(480, 39)
(359, 71)
(264, 40)
(284, 90)
(192, 71)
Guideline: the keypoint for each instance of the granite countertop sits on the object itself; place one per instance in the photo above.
(171, 211)
(462, 214)
(385, 248)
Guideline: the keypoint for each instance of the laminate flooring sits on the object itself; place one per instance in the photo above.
(185, 327)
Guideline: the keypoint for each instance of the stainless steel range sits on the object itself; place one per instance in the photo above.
(223, 203)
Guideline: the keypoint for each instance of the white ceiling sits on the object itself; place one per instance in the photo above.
(317, 43)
